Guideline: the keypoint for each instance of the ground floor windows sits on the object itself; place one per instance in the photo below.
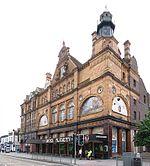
(123, 140)
(114, 140)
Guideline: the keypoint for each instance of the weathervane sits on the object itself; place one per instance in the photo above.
(106, 8)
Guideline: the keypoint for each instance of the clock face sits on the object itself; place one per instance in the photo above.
(119, 106)
(106, 31)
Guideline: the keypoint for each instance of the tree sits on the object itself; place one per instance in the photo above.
(142, 137)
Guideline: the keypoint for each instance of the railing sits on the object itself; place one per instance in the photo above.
(69, 160)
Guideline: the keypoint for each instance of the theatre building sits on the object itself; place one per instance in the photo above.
(103, 99)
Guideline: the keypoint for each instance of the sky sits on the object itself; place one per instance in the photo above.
(32, 33)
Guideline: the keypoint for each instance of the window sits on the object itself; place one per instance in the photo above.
(134, 82)
(64, 88)
(139, 116)
(60, 90)
(68, 86)
(62, 113)
(92, 105)
(62, 71)
(134, 115)
(43, 120)
(123, 76)
(144, 99)
(54, 115)
(56, 93)
(124, 140)
(71, 110)
(134, 101)
(114, 140)
(119, 106)
(72, 84)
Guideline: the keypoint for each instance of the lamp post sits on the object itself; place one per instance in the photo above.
(75, 150)
(14, 140)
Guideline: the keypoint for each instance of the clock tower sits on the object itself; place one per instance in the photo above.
(106, 26)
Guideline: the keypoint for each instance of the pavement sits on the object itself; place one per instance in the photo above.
(70, 161)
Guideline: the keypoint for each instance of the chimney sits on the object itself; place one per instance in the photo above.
(48, 76)
(127, 54)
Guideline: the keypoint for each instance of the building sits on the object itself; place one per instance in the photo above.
(103, 99)
(11, 140)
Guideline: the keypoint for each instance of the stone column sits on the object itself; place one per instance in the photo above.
(108, 131)
(128, 141)
(119, 138)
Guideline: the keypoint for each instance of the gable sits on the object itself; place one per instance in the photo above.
(66, 64)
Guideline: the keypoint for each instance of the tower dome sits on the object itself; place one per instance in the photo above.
(106, 26)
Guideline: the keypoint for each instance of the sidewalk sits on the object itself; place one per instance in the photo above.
(70, 160)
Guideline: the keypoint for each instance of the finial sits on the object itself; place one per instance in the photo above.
(106, 9)
(63, 43)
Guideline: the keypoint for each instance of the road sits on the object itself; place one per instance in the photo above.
(13, 161)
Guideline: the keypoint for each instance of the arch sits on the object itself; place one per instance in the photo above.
(43, 120)
(91, 105)
(119, 106)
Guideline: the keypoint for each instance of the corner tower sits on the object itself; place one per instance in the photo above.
(103, 38)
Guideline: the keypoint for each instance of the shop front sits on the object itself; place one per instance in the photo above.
(97, 143)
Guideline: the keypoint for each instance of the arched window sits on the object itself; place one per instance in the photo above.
(62, 113)
(54, 115)
(119, 106)
(71, 110)
(43, 121)
(92, 105)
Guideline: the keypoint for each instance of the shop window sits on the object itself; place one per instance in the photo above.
(92, 105)
(123, 140)
(62, 113)
(71, 110)
(62, 148)
(114, 140)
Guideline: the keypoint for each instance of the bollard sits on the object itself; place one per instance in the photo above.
(116, 160)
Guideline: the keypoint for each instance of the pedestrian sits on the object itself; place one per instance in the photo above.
(89, 154)
(86, 153)
(80, 153)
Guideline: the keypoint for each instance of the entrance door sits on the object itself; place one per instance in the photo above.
(98, 150)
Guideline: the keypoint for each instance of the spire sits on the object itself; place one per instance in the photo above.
(63, 43)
